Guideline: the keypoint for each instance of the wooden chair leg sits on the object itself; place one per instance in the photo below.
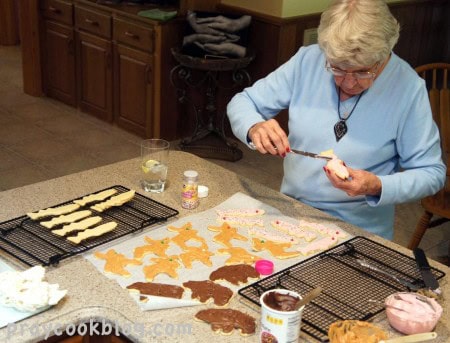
(421, 227)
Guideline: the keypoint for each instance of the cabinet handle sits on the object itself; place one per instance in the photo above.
(132, 35)
(91, 22)
(148, 73)
(54, 9)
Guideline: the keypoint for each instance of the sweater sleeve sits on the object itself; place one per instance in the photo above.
(264, 99)
(422, 172)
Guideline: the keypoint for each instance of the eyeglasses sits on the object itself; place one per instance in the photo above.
(360, 75)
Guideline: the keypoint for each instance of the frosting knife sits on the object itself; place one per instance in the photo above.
(425, 270)
(300, 152)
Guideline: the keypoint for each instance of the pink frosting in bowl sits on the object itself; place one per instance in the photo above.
(412, 313)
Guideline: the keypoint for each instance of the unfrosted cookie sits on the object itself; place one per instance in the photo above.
(78, 226)
(153, 246)
(207, 290)
(94, 232)
(192, 254)
(185, 234)
(115, 262)
(238, 255)
(53, 211)
(66, 218)
(224, 321)
(117, 200)
(95, 197)
(162, 265)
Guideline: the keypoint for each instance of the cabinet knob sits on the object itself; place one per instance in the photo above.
(89, 21)
(132, 35)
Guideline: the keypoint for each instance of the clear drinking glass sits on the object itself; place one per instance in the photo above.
(154, 160)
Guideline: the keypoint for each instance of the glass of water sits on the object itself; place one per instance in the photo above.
(154, 160)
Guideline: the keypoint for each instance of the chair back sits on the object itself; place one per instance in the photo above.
(437, 78)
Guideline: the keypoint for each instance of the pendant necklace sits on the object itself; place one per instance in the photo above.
(340, 128)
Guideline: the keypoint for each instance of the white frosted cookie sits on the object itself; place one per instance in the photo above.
(117, 200)
(241, 221)
(241, 212)
(67, 218)
(278, 237)
(318, 246)
(94, 232)
(95, 197)
(322, 229)
(78, 226)
(53, 211)
(337, 166)
(294, 230)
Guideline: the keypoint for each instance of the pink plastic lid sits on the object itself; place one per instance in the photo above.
(264, 267)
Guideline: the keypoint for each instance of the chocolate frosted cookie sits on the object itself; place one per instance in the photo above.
(205, 290)
(235, 274)
(226, 320)
(157, 289)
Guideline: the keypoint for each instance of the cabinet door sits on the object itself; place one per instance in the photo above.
(59, 71)
(95, 75)
(133, 86)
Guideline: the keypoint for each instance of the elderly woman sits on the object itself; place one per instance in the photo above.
(352, 94)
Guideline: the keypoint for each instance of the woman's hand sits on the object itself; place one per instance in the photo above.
(360, 182)
(269, 137)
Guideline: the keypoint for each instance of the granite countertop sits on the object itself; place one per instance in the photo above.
(92, 296)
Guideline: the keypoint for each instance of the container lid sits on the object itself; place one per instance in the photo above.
(202, 191)
(264, 267)
(190, 173)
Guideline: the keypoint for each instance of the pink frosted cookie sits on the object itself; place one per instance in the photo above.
(322, 229)
(241, 212)
(241, 221)
(278, 237)
(318, 246)
(294, 230)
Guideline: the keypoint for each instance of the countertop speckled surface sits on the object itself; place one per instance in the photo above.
(92, 296)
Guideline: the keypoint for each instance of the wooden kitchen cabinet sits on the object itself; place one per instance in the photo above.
(59, 51)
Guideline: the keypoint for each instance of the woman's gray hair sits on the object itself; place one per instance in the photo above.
(355, 33)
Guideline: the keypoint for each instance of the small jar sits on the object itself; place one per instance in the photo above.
(189, 195)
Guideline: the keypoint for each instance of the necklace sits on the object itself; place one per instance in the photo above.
(340, 128)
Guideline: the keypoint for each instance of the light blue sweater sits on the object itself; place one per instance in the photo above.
(390, 130)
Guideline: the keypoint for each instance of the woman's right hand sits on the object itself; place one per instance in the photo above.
(269, 137)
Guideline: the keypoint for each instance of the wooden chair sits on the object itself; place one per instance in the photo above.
(437, 77)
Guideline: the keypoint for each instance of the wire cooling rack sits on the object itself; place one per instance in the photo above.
(347, 286)
(34, 244)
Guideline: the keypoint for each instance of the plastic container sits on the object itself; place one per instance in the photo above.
(189, 194)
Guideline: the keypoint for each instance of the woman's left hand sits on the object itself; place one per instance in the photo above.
(360, 182)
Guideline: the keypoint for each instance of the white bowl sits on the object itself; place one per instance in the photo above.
(412, 313)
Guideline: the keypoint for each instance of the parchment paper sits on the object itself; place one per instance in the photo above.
(199, 271)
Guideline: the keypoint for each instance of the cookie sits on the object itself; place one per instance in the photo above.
(206, 290)
(240, 221)
(117, 200)
(338, 167)
(78, 226)
(162, 265)
(275, 249)
(53, 211)
(115, 262)
(66, 218)
(224, 321)
(278, 237)
(157, 289)
(153, 246)
(322, 229)
(235, 274)
(192, 254)
(185, 234)
(95, 197)
(317, 246)
(240, 212)
(227, 233)
(238, 255)
(355, 331)
(294, 230)
(94, 232)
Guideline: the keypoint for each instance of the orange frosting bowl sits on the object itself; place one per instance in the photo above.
(412, 313)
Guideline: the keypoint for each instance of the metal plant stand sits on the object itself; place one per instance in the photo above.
(194, 74)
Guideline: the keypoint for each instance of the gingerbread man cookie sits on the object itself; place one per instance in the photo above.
(206, 290)
(238, 256)
(196, 254)
(153, 246)
(275, 249)
(185, 234)
(162, 265)
(227, 233)
(115, 262)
